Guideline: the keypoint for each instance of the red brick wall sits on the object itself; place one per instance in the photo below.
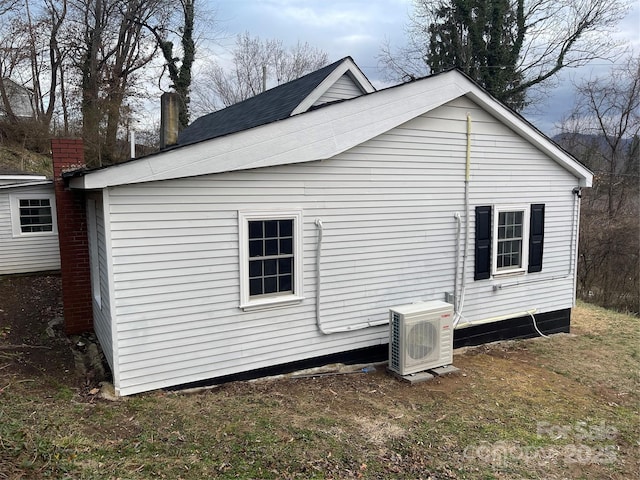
(68, 154)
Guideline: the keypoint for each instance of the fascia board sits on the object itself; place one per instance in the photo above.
(316, 135)
(26, 184)
(23, 178)
(346, 66)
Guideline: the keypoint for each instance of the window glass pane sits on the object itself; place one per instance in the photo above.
(517, 231)
(285, 283)
(271, 229)
(255, 248)
(286, 246)
(271, 267)
(271, 247)
(286, 228)
(255, 268)
(270, 284)
(255, 230)
(285, 265)
(255, 286)
(517, 217)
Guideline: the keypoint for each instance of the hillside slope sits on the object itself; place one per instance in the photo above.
(14, 158)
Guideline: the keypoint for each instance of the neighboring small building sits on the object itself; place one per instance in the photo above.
(284, 228)
(28, 225)
(20, 99)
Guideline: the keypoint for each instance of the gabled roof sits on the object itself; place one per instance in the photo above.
(322, 133)
(278, 103)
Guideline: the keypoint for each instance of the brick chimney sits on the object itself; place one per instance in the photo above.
(68, 154)
(168, 119)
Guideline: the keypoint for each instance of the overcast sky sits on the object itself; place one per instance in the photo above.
(359, 27)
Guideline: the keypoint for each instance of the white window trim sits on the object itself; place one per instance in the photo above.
(14, 201)
(526, 219)
(246, 302)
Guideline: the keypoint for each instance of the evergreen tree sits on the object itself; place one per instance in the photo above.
(483, 38)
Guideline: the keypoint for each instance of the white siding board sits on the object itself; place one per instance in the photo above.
(387, 207)
(28, 253)
(343, 89)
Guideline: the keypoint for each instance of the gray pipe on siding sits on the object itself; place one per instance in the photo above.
(459, 303)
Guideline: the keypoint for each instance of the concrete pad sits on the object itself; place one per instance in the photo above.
(413, 378)
(444, 370)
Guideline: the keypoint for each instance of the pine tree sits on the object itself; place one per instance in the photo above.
(483, 38)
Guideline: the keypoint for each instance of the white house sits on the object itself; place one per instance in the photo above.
(28, 227)
(284, 228)
(19, 99)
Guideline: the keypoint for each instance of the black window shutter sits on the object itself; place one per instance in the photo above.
(483, 243)
(536, 237)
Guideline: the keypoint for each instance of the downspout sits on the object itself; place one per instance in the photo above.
(577, 192)
(329, 331)
(459, 302)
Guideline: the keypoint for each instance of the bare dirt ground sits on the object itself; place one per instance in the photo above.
(27, 305)
(559, 408)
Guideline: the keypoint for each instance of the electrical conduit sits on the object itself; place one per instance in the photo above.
(459, 301)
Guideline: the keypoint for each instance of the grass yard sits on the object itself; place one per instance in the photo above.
(557, 408)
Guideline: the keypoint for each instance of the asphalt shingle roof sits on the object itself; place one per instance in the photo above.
(273, 105)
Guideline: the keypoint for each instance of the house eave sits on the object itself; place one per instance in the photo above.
(321, 134)
(26, 184)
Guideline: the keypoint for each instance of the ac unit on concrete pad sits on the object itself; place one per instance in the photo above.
(420, 337)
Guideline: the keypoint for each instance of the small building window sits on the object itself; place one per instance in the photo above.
(510, 239)
(509, 251)
(33, 214)
(270, 258)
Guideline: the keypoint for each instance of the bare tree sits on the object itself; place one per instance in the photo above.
(31, 56)
(179, 69)
(547, 35)
(604, 132)
(255, 64)
(113, 46)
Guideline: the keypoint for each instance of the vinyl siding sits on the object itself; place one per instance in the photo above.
(343, 89)
(27, 253)
(101, 310)
(388, 210)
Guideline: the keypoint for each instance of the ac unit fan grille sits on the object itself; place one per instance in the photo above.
(423, 341)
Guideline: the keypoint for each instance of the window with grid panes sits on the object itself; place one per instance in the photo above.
(510, 240)
(35, 215)
(271, 257)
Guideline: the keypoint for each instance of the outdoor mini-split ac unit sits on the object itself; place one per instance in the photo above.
(420, 337)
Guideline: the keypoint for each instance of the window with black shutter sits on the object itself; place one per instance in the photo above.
(508, 239)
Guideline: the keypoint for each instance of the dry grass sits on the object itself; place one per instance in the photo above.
(564, 407)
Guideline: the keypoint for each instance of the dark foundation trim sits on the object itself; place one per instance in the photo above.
(521, 327)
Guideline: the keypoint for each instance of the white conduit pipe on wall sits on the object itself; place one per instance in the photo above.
(329, 331)
(459, 302)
